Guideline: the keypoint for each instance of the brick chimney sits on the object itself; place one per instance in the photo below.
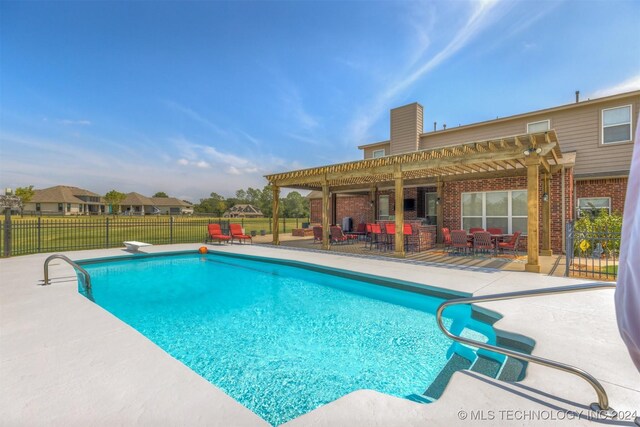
(406, 127)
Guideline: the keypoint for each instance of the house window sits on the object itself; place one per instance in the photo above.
(378, 153)
(495, 209)
(60, 207)
(383, 207)
(593, 205)
(68, 207)
(38, 207)
(541, 126)
(616, 124)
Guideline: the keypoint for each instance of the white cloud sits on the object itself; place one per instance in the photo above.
(74, 122)
(183, 162)
(628, 85)
(482, 16)
(202, 164)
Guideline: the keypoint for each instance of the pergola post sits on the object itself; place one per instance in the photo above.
(533, 186)
(325, 215)
(546, 217)
(276, 217)
(399, 211)
(440, 210)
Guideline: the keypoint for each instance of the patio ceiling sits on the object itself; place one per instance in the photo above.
(487, 158)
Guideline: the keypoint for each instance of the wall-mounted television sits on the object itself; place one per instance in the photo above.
(409, 204)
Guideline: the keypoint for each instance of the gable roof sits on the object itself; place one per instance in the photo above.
(61, 194)
(136, 199)
(245, 208)
(168, 201)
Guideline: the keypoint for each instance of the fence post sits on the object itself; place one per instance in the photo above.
(107, 233)
(171, 230)
(7, 232)
(284, 225)
(569, 247)
(270, 221)
(297, 226)
(39, 234)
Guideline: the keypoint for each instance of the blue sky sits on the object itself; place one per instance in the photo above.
(194, 97)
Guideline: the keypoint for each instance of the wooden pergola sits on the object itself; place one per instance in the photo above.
(530, 154)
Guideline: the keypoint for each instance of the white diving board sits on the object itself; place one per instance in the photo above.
(134, 246)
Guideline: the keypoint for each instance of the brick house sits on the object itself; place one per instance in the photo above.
(485, 174)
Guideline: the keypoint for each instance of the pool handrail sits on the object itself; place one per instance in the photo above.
(87, 277)
(602, 407)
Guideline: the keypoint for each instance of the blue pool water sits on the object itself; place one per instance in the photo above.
(281, 340)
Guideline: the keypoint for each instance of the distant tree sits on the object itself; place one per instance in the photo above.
(295, 205)
(214, 204)
(114, 198)
(160, 194)
(241, 195)
(253, 196)
(25, 194)
(265, 203)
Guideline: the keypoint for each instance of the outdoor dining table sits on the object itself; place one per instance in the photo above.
(495, 238)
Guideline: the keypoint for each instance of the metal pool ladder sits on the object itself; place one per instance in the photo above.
(87, 277)
(602, 406)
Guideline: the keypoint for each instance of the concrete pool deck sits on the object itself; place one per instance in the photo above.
(66, 361)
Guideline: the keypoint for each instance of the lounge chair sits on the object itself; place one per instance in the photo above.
(237, 234)
(337, 236)
(215, 234)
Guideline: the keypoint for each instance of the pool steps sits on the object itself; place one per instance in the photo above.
(481, 361)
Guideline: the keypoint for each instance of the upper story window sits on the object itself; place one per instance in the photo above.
(541, 126)
(616, 124)
(378, 153)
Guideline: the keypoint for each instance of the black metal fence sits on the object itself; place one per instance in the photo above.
(28, 236)
(593, 253)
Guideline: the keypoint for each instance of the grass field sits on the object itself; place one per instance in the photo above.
(47, 234)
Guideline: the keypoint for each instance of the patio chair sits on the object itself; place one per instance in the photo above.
(389, 235)
(375, 238)
(215, 234)
(446, 238)
(459, 241)
(511, 245)
(317, 234)
(238, 234)
(361, 231)
(495, 230)
(482, 241)
(337, 236)
(407, 231)
(475, 229)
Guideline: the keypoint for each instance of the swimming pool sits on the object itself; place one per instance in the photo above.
(283, 338)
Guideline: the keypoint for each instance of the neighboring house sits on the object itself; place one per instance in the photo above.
(137, 204)
(172, 206)
(243, 211)
(65, 200)
(478, 175)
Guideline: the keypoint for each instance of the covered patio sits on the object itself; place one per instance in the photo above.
(536, 156)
